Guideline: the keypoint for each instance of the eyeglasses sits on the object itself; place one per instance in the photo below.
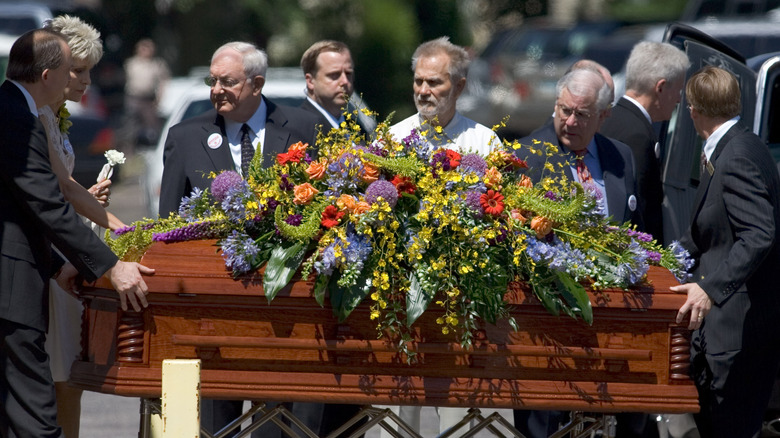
(579, 115)
(211, 81)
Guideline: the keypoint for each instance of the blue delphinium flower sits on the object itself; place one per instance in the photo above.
(239, 250)
(357, 249)
(327, 261)
(342, 175)
(417, 145)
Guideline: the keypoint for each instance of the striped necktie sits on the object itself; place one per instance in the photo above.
(247, 151)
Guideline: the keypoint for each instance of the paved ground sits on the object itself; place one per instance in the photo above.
(105, 415)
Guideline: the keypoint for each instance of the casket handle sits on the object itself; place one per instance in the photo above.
(378, 346)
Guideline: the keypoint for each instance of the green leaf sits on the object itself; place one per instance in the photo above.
(417, 301)
(547, 298)
(281, 267)
(575, 295)
(320, 287)
(345, 299)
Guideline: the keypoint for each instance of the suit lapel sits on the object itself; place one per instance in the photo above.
(220, 157)
(706, 177)
(614, 185)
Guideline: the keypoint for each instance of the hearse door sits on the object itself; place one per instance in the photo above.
(767, 120)
(680, 143)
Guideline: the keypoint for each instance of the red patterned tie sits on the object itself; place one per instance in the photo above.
(582, 169)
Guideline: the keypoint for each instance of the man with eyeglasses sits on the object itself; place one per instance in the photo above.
(242, 124)
(654, 79)
(603, 166)
(243, 121)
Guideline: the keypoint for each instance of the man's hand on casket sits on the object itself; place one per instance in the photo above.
(127, 279)
(698, 303)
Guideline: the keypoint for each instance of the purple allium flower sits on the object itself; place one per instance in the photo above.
(472, 202)
(224, 182)
(384, 189)
(473, 163)
(294, 219)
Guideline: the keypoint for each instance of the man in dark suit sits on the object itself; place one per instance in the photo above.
(733, 298)
(582, 105)
(212, 142)
(603, 166)
(327, 66)
(33, 216)
(655, 73)
(243, 121)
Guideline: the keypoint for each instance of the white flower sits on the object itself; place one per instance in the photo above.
(115, 157)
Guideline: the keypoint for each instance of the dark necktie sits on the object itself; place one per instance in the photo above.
(247, 150)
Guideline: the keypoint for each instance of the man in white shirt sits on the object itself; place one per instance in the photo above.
(440, 69)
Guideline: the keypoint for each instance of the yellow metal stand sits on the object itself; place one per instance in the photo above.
(180, 403)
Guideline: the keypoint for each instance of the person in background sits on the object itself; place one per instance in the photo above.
(63, 342)
(145, 78)
(242, 123)
(327, 66)
(33, 217)
(603, 166)
(440, 69)
(655, 73)
(733, 238)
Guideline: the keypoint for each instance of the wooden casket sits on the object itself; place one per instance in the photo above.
(633, 358)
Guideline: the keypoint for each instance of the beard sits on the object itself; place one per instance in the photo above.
(432, 107)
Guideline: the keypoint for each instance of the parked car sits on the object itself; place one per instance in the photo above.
(17, 18)
(285, 86)
(516, 74)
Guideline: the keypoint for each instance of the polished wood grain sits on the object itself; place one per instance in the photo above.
(633, 358)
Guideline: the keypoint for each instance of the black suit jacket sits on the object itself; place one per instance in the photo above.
(33, 216)
(734, 238)
(188, 159)
(627, 124)
(617, 165)
(367, 124)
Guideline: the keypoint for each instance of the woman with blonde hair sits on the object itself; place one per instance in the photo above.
(63, 339)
